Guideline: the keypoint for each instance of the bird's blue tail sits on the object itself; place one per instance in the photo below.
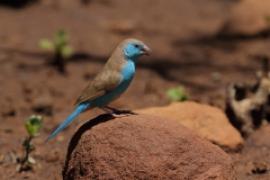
(78, 110)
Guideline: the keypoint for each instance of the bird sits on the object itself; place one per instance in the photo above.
(109, 83)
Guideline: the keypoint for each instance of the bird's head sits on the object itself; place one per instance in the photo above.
(133, 48)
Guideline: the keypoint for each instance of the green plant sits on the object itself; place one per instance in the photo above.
(60, 47)
(32, 125)
(177, 94)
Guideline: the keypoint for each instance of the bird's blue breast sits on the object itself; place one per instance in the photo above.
(127, 74)
(128, 71)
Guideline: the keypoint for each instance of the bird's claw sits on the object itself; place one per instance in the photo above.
(119, 113)
(128, 112)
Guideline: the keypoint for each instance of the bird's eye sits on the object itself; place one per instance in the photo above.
(136, 46)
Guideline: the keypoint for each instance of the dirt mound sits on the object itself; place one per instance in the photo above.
(142, 147)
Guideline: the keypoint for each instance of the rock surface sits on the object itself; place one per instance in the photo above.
(143, 147)
(208, 122)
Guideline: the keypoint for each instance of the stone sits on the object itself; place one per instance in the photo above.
(142, 147)
(207, 121)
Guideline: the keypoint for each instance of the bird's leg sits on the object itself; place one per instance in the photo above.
(106, 110)
(113, 113)
(116, 112)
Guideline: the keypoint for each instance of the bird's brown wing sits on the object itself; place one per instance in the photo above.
(102, 84)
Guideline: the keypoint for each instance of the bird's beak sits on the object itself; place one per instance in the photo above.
(146, 50)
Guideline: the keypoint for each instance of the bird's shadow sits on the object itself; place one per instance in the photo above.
(77, 136)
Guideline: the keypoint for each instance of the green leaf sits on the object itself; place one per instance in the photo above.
(46, 44)
(62, 35)
(67, 51)
(61, 39)
(177, 94)
(33, 125)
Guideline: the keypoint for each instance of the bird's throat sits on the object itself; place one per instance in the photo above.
(128, 70)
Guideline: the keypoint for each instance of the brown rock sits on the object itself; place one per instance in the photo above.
(142, 147)
(208, 122)
(248, 17)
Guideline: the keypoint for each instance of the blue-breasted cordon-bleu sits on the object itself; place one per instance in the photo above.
(110, 82)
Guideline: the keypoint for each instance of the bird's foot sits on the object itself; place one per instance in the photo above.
(128, 112)
(118, 113)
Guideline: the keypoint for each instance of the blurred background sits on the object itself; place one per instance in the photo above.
(51, 49)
